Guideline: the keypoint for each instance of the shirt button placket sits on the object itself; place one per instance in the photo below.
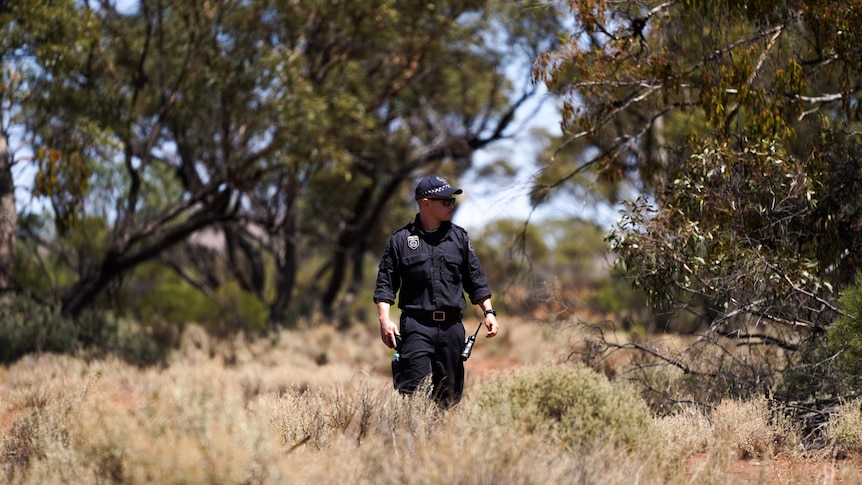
(435, 267)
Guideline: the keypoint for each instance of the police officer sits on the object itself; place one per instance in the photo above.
(432, 263)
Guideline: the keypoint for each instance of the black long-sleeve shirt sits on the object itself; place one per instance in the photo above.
(432, 270)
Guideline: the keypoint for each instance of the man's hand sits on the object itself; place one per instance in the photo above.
(491, 325)
(388, 331)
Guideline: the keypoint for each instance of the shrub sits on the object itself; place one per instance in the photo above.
(102, 333)
(744, 427)
(845, 335)
(168, 298)
(845, 429)
(235, 310)
(685, 432)
(571, 403)
(27, 326)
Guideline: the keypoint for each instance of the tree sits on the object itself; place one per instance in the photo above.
(393, 90)
(456, 99)
(171, 117)
(29, 29)
(643, 82)
(663, 90)
(739, 123)
(288, 128)
(550, 269)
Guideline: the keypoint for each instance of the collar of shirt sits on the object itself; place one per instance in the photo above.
(443, 229)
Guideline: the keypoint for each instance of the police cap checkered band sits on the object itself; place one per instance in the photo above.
(434, 186)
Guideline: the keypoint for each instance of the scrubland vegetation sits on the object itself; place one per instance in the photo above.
(240, 165)
(315, 405)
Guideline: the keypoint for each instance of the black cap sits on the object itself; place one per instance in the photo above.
(435, 186)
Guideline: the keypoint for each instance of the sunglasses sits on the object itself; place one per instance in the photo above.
(448, 201)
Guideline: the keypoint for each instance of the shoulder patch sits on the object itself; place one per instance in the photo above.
(470, 246)
(413, 242)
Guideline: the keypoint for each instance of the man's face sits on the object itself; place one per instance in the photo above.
(441, 207)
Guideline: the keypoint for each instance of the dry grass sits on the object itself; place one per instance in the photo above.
(316, 406)
(846, 429)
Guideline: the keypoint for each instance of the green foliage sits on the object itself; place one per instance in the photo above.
(731, 119)
(735, 233)
(607, 299)
(32, 269)
(615, 295)
(101, 333)
(42, 258)
(307, 118)
(63, 178)
(158, 296)
(753, 243)
(235, 309)
(507, 248)
(845, 335)
(27, 327)
(572, 404)
(814, 374)
(567, 257)
(157, 293)
(749, 67)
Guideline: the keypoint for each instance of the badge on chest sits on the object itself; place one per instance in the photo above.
(413, 242)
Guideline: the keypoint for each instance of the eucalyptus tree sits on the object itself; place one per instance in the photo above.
(160, 123)
(287, 126)
(390, 90)
(740, 86)
(435, 86)
(28, 29)
(739, 124)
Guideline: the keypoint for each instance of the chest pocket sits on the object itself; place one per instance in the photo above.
(417, 266)
(453, 260)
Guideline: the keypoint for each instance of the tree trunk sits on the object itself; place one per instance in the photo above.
(245, 260)
(87, 289)
(285, 278)
(349, 238)
(116, 263)
(345, 314)
(353, 237)
(8, 216)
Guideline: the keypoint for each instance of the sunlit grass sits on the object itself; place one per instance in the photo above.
(316, 406)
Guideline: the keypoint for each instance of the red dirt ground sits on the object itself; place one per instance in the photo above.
(784, 471)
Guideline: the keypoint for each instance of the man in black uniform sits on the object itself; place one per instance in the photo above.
(432, 262)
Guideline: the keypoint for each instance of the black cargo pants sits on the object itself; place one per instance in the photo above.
(431, 348)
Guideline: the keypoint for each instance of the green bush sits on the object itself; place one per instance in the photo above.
(156, 292)
(159, 295)
(234, 310)
(845, 335)
(572, 404)
(102, 334)
(27, 326)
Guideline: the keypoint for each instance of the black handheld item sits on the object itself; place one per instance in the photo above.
(398, 365)
(468, 344)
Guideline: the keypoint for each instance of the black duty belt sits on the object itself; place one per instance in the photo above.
(436, 316)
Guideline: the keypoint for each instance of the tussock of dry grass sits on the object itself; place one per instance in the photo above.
(316, 406)
(846, 429)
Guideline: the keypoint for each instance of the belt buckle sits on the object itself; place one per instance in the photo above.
(438, 316)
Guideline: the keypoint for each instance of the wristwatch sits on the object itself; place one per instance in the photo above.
(491, 311)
